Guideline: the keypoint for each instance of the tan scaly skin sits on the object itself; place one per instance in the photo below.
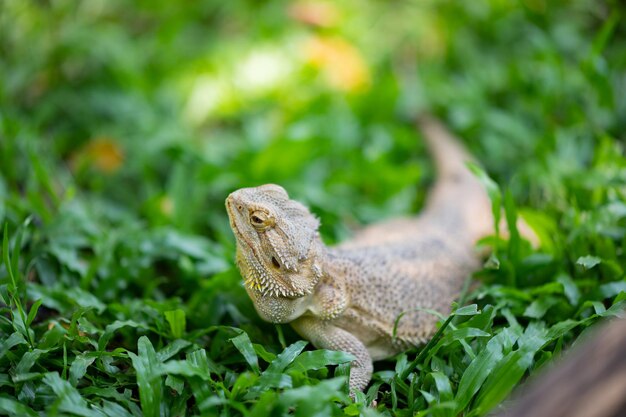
(348, 297)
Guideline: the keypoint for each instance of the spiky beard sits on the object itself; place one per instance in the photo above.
(261, 279)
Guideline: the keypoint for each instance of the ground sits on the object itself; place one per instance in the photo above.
(124, 127)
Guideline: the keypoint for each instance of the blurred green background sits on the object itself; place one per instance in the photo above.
(124, 125)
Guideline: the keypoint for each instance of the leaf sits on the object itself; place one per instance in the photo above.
(570, 289)
(265, 405)
(199, 359)
(561, 328)
(482, 321)
(510, 212)
(68, 398)
(430, 398)
(319, 359)
(33, 312)
(546, 289)
(502, 379)
(15, 256)
(68, 256)
(616, 310)
(598, 307)
(588, 261)
(3, 199)
(16, 408)
(19, 323)
(114, 410)
(492, 262)
(148, 371)
(176, 319)
(534, 337)
(538, 308)
(172, 349)
(611, 289)
(28, 360)
(462, 333)
(479, 369)
(263, 354)
(175, 383)
(512, 367)
(186, 368)
(7, 258)
(469, 310)
(425, 350)
(442, 382)
(286, 357)
(11, 341)
(78, 369)
(112, 328)
(85, 299)
(314, 400)
(244, 381)
(244, 346)
(273, 376)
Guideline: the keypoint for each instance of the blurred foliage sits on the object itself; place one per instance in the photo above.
(124, 126)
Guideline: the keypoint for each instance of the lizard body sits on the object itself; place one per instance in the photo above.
(348, 297)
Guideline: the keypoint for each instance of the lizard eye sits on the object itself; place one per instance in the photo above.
(261, 220)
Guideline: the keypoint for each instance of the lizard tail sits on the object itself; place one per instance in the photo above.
(458, 200)
(450, 156)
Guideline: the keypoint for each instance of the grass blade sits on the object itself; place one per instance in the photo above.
(68, 398)
(149, 380)
(244, 346)
(15, 408)
(319, 359)
(176, 319)
(479, 369)
(6, 257)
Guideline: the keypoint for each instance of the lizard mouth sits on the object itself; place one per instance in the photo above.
(235, 228)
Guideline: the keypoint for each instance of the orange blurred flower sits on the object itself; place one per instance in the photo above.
(102, 152)
(340, 61)
(166, 206)
(314, 13)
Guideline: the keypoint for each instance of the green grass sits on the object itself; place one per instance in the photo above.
(123, 128)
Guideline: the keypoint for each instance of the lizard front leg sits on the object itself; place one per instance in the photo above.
(324, 335)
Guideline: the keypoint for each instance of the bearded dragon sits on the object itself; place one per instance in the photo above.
(351, 296)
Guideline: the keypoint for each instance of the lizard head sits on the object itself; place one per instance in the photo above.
(278, 245)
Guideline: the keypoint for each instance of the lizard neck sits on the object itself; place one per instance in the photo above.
(283, 308)
(331, 296)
